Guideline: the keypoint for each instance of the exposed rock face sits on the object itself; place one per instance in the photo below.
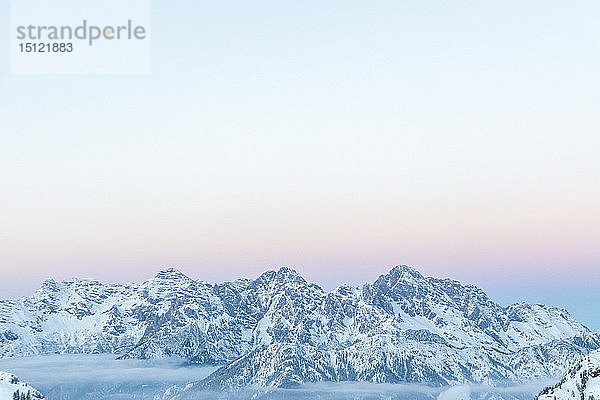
(281, 330)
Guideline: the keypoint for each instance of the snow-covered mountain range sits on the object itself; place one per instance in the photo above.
(280, 330)
(582, 382)
(12, 388)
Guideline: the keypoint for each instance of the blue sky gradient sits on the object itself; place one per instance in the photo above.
(341, 138)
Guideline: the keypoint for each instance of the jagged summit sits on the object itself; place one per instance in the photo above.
(50, 284)
(288, 273)
(282, 275)
(404, 271)
(401, 328)
(171, 273)
(285, 270)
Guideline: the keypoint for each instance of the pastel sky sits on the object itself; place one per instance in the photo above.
(338, 137)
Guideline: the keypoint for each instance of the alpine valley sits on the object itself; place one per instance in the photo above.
(279, 330)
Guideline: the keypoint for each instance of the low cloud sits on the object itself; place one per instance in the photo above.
(65, 368)
(101, 377)
(456, 393)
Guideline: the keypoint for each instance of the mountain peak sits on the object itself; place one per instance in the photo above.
(50, 284)
(404, 271)
(280, 329)
(171, 273)
(400, 275)
(283, 274)
(287, 271)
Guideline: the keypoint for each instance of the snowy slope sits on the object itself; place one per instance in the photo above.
(11, 386)
(279, 329)
(581, 382)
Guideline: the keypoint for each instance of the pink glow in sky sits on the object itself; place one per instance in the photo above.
(340, 140)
